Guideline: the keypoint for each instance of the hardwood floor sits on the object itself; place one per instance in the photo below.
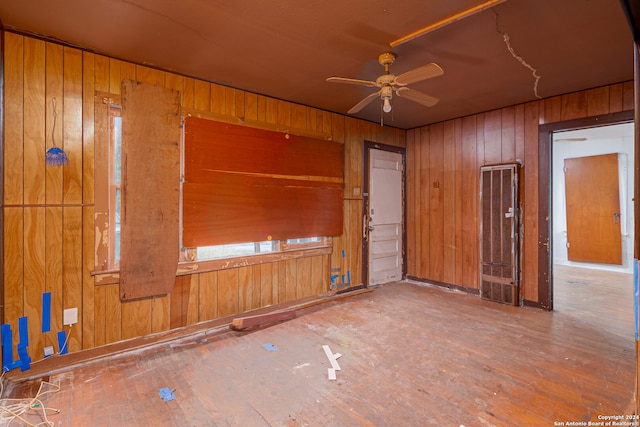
(412, 355)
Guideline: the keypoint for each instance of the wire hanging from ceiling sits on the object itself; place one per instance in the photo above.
(55, 156)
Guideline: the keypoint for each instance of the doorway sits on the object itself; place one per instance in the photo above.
(383, 238)
(593, 226)
(592, 197)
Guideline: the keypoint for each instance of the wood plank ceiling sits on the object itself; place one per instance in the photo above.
(286, 49)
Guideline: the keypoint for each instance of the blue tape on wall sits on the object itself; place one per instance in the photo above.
(635, 294)
(25, 360)
(23, 354)
(23, 332)
(62, 342)
(46, 312)
(7, 348)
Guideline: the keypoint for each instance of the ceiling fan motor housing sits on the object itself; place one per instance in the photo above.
(385, 80)
(386, 59)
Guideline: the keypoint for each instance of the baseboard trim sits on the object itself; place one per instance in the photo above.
(465, 289)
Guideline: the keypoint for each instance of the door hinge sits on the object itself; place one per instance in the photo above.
(568, 245)
(565, 170)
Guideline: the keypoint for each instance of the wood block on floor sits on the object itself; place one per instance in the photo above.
(251, 322)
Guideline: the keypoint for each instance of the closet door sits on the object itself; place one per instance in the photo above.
(499, 245)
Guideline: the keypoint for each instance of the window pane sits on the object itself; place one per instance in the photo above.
(117, 149)
(236, 249)
(304, 240)
(116, 249)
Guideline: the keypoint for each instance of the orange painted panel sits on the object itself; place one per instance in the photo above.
(593, 209)
(34, 121)
(212, 146)
(208, 299)
(14, 128)
(69, 111)
(54, 109)
(240, 208)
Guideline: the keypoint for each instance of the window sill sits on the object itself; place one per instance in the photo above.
(109, 277)
(191, 267)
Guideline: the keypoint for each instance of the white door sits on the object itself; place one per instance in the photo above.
(385, 216)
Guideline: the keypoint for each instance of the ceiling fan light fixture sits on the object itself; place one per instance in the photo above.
(388, 83)
(386, 105)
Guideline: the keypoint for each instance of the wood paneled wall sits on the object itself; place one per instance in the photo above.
(49, 231)
(443, 164)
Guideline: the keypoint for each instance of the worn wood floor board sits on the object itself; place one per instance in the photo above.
(412, 355)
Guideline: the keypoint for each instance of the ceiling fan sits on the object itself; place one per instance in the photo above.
(389, 83)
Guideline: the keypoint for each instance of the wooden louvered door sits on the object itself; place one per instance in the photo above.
(499, 243)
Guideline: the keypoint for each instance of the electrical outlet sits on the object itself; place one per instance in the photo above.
(70, 316)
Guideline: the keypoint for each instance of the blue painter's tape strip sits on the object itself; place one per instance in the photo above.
(348, 276)
(635, 295)
(46, 312)
(25, 360)
(62, 342)
(23, 331)
(343, 278)
(7, 347)
(343, 255)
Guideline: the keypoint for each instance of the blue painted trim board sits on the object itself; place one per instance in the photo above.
(7, 347)
(46, 312)
(635, 294)
(62, 338)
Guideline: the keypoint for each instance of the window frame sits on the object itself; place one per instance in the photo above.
(106, 269)
(114, 188)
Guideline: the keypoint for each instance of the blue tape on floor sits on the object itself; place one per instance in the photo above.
(635, 294)
(46, 312)
(167, 394)
(23, 332)
(62, 344)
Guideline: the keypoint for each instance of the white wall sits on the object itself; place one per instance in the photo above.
(603, 140)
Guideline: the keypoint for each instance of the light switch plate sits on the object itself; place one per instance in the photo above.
(48, 351)
(70, 316)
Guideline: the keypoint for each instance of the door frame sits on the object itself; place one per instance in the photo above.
(367, 146)
(545, 188)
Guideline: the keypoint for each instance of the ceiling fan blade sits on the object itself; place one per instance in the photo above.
(416, 96)
(367, 83)
(421, 73)
(360, 105)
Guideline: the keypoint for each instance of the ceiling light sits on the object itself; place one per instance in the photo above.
(386, 107)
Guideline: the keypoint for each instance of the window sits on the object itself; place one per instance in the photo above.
(109, 181)
(115, 175)
(235, 249)
(204, 253)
